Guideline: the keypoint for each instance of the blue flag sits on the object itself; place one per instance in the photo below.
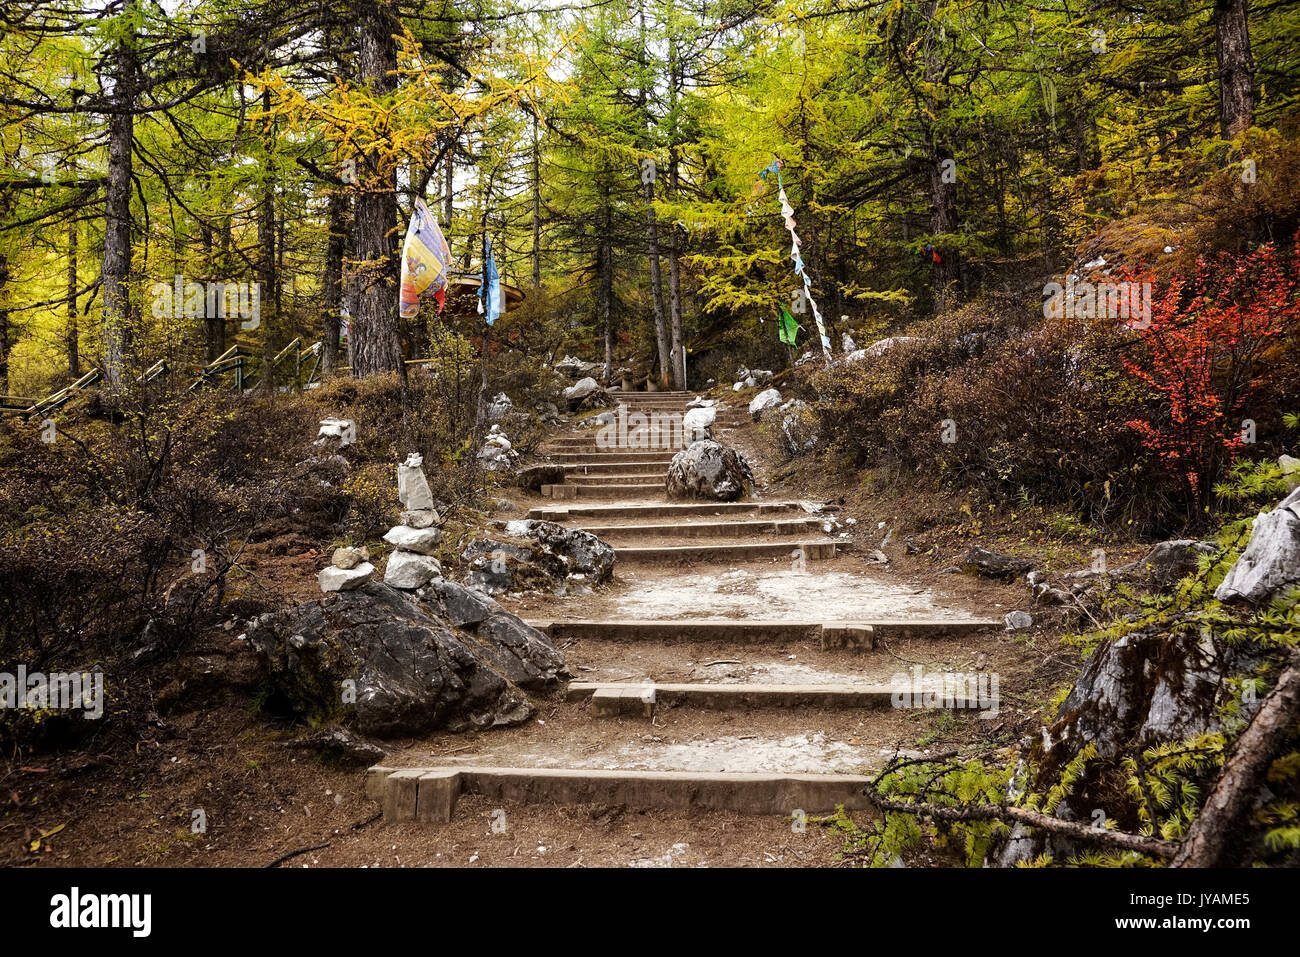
(489, 291)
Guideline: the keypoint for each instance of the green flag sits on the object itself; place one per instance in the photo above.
(787, 327)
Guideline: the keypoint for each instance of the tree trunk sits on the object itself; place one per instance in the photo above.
(332, 300)
(376, 348)
(1232, 48)
(116, 268)
(4, 320)
(448, 189)
(266, 241)
(943, 175)
(537, 206)
(70, 329)
(943, 221)
(674, 265)
(605, 277)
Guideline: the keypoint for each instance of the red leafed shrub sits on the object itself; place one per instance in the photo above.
(1203, 353)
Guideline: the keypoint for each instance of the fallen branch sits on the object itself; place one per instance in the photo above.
(1238, 785)
(1019, 815)
(292, 854)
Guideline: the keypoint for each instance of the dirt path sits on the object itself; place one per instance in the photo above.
(713, 618)
(717, 623)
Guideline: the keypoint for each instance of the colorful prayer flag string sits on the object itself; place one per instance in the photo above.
(787, 214)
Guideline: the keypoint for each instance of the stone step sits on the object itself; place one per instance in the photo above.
(614, 477)
(590, 446)
(860, 633)
(552, 513)
(609, 700)
(614, 468)
(639, 491)
(430, 794)
(733, 529)
(813, 551)
(595, 458)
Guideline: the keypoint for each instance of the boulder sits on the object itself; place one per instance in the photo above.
(410, 570)
(533, 554)
(412, 486)
(884, 345)
(1166, 563)
(461, 606)
(384, 662)
(585, 393)
(1290, 466)
(709, 470)
(1270, 564)
(767, 399)
(424, 541)
(993, 564)
(798, 427)
(575, 368)
(345, 579)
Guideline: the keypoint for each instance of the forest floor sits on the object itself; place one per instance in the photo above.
(210, 749)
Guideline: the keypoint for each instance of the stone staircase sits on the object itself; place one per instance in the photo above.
(628, 508)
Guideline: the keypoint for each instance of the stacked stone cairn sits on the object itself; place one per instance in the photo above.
(415, 542)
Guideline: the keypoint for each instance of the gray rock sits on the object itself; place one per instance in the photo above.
(425, 541)
(536, 555)
(499, 407)
(345, 579)
(1270, 564)
(1018, 621)
(1166, 563)
(412, 486)
(338, 433)
(798, 427)
(421, 518)
(1290, 466)
(346, 557)
(505, 505)
(765, 400)
(992, 564)
(387, 664)
(410, 570)
(709, 470)
(340, 743)
(460, 606)
(574, 367)
(585, 393)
